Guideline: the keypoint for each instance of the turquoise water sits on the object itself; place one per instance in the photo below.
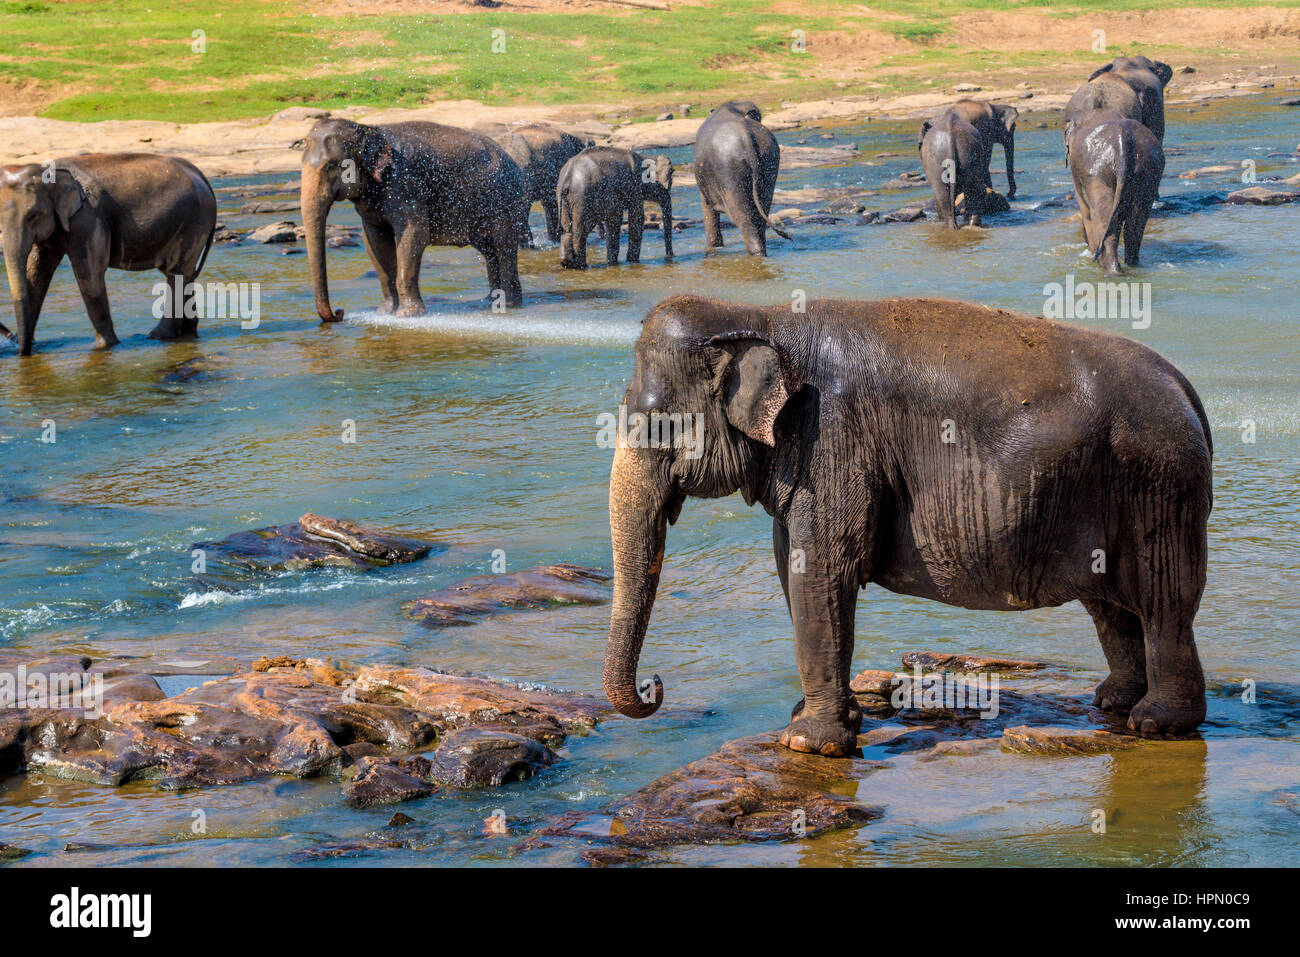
(478, 430)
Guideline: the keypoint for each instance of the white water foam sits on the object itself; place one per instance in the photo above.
(513, 325)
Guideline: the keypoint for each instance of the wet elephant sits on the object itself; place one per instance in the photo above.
(601, 185)
(736, 163)
(989, 477)
(956, 147)
(541, 150)
(1117, 164)
(1134, 87)
(413, 185)
(131, 211)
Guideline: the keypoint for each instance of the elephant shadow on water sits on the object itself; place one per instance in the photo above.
(1162, 252)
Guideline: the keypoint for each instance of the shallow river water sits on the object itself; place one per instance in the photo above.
(478, 430)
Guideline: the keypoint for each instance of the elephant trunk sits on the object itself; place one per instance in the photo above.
(17, 251)
(666, 206)
(316, 203)
(1009, 151)
(638, 519)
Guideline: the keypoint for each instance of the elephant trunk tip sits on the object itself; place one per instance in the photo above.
(640, 701)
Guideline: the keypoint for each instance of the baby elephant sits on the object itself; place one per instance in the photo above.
(597, 187)
(130, 211)
(1117, 164)
(956, 147)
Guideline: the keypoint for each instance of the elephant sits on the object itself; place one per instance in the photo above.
(596, 187)
(413, 185)
(1134, 87)
(940, 449)
(955, 149)
(541, 150)
(736, 162)
(131, 211)
(1117, 164)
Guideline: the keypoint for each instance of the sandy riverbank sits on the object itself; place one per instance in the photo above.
(268, 145)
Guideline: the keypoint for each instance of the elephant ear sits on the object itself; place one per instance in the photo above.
(756, 383)
(1007, 115)
(68, 197)
(1163, 71)
(920, 137)
(1100, 70)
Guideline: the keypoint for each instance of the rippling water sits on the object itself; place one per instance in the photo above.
(478, 430)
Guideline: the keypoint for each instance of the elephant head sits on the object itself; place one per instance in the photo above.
(339, 157)
(35, 201)
(1004, 131)
(657, 187)
(1126, 67)
(746, 108)
(700, 417)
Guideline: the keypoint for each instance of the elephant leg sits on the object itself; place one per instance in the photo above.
(88, 265)
(551, 209)
(635, 229)
(1109, 256)
(712, 225)
(1120, 633)
(742, 211)
(581, 230)
(613, 233)
(169, 326)
(41, 265)
(410, 249)
(505, 254)
(1171, 565)
(1135, 226)
(822, 609)
(381, 247)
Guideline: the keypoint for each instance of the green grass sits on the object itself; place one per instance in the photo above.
(128, 59)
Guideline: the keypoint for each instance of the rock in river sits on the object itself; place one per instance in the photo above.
(303, 718)
(1263, 196)
(466, 601)
(314, 541)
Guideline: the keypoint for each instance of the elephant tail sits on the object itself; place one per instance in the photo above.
(566, 216)
(952, 197)
(753, 188)
(1115, 222)
(203, 256)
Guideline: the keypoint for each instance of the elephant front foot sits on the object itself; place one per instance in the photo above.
(409, 309)
(1153, 716)
(1119, 695)
(167, 329)
(387, 307)
(832, 737)
(110, 340)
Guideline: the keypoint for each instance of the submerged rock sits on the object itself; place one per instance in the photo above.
(1263, 196)
(388, 781)
(466, 601)
(9, 852)
(281, 232)
(314, 541)
(1061, 741)
(485, 757)
(751, 789)
(929, 661)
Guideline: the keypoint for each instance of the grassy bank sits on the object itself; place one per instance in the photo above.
(137, 59)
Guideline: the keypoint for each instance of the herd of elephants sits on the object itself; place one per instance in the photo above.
(940, 449)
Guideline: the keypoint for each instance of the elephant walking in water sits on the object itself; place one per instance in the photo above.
(1133, 87)
(1041, 464)
(1117, 164)
(597, 188)
(131, 211)
(413, 185)
(736, 162)
(541, 150)
(956, 147)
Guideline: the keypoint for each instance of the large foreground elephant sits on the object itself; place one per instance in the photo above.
(1134, 87)
(541, 150)
(736, 162)
(132, 211)
(956, 147)
(413, 185)
(600, 186)
(940, 449)
(1117, 164)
